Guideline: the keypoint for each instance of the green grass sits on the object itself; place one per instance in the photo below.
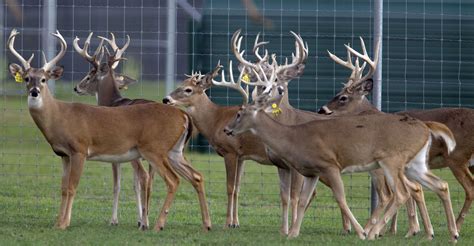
(29, 197)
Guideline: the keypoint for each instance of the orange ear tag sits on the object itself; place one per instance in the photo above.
(18, 77)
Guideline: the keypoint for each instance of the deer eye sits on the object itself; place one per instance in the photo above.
(87, 78)
(343, 98)
(43, 80)
(27, 79)
(188, 90)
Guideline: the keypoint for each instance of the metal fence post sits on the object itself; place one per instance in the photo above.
(48, 45)
(171, 46)
(377, 91)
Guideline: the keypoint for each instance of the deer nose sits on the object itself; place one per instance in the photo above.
(166, 100)
(228, 131)
(34, 92)
(324, 110)
(75, 89)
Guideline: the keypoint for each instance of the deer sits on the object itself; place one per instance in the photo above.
(78, 132)
(288, 115)
(352, 100)
(397, 144)
(109, 95)
(210, 120)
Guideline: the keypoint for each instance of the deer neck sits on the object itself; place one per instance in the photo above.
(268, 129)
(44, 115)
(107, 93)
(366, 107)
(204, 113)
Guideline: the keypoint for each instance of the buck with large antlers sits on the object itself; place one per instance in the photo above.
(352, 100)
(288, 115)
(107, 94)
(210, 119)
(397, 144)
(77, 132)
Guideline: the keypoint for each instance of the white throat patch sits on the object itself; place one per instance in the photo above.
(35, 102)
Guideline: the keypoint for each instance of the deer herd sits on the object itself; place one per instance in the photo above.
(346, 135)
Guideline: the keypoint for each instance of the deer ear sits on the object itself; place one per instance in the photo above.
(14, 69)
(123, 81)
(292, 73)
(56, 72)
(366, 86)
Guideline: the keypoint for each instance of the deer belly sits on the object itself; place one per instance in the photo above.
(131, 154)
(360, 168)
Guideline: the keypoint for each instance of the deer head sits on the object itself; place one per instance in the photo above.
(36, 78)
(244, 120)
(89, 84)
(352, 98)
(192, 88)
(284, 72)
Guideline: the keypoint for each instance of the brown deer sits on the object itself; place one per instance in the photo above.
(77, 132)
(109, 95)
(397, 144)
(210, 119)
(288, 115)
(352, 100)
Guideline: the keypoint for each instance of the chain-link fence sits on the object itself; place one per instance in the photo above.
(428, 62)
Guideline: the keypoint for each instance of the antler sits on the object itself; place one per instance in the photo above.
(256, 47)
(232, 84)
(366, 58)
(356, 69)
(115, 48)
(11, 41)
(299, 57)
(48, 65)
(83, 52)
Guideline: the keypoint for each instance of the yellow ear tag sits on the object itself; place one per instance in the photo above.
(275, 109)
(18, 77)
(246, 78)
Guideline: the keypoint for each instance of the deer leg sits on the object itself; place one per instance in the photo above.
(235, 209)
(172, 182)
(149, 186)
(346, 223)
(116, 173)
(465, 178)
(183, 168)
(394, 175)
(231, 172)
(417, 196)
(285, 179)
(77, 165)
(417, 170)
(384, 195)
(141, 179)
(413, 224)
(309, 185)
(64, 188)
(295, 191)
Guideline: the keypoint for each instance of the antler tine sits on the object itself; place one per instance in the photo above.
(236, 43)
(366, 58)
(119, 52)
(11, 42)
(256, 47)
(62, 52)
(298, 57)
(232, 84)
(83, 51)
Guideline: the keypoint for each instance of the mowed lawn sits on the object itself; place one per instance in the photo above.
(30, 194)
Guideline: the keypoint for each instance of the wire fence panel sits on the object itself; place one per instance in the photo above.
(428, 61)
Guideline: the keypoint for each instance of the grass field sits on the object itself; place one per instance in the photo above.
(29, 196)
